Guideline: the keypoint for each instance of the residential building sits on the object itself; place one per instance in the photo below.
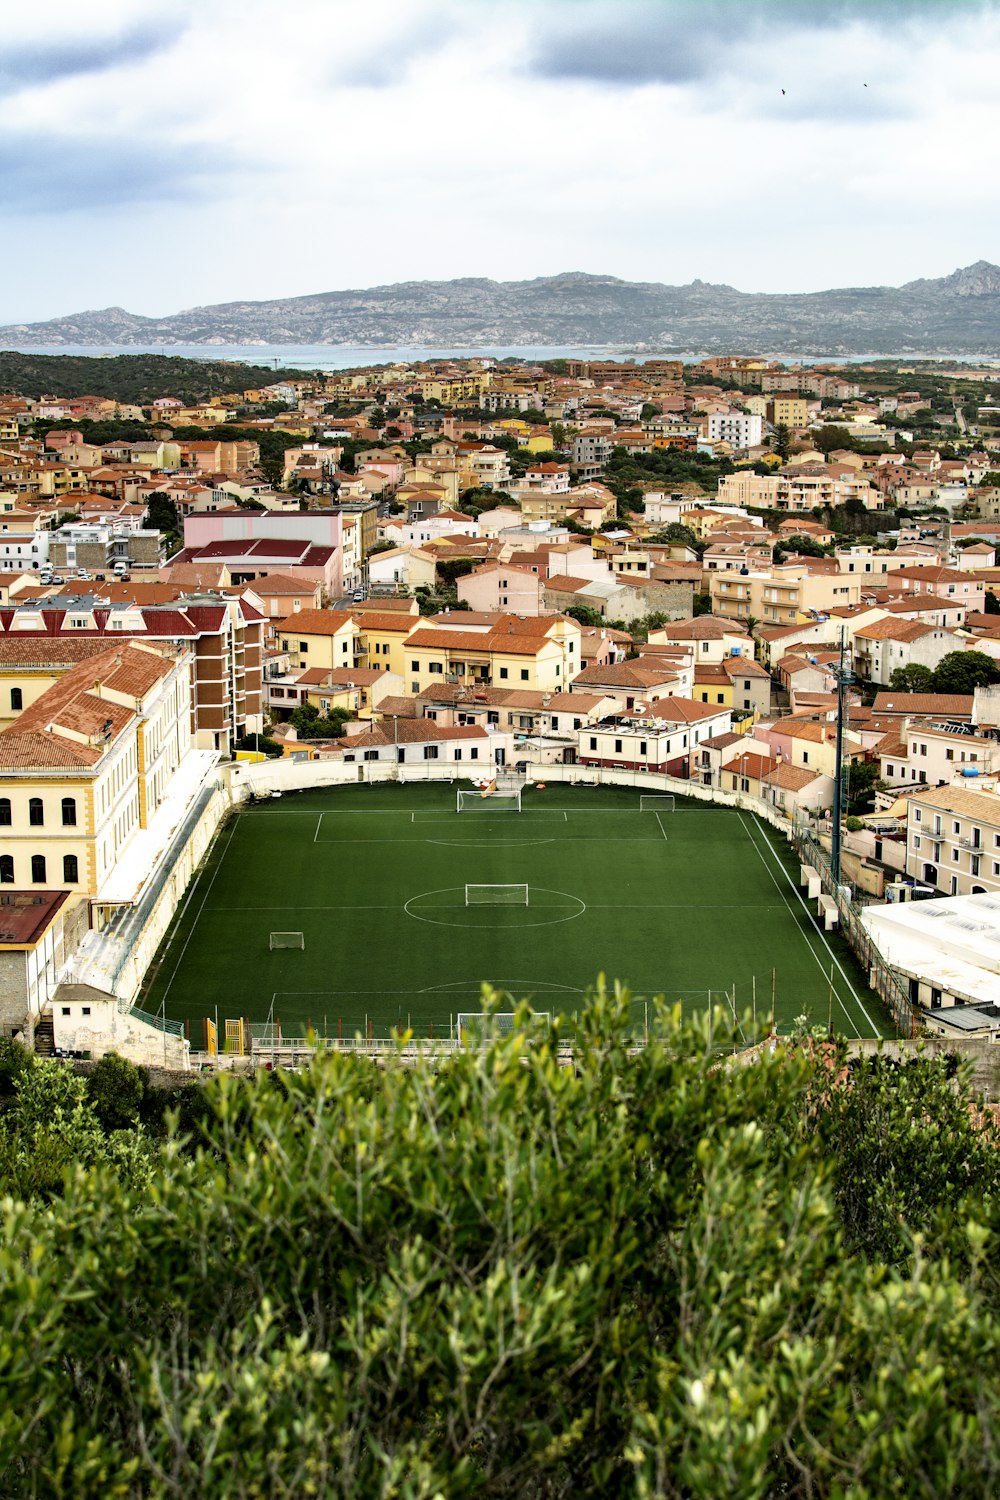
(89, 763)
(739, 429)
(661, 740)
(890, 644)
(784, 594)
(953, 840)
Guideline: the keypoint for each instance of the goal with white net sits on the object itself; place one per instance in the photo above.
(656, 802)
(496, 895)
(287, 940)
(489, 801)
(477, 1027)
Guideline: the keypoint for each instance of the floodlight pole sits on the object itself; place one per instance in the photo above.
(844, 678)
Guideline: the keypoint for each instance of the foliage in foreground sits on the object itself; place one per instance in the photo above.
(647, 1275)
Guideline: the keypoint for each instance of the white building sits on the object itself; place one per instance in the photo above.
(738, 429)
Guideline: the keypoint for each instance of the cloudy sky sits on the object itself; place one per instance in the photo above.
(161, 156)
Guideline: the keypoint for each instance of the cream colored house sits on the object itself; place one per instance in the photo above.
(88, 764)
(782, 595)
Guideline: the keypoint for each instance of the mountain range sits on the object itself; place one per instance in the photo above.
(956, 314)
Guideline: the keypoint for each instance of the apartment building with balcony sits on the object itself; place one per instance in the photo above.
(799, 488)
(739, 429)
(783, 595)
(953, 840)
(224, 631)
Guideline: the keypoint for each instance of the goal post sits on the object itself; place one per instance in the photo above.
(496, 895)
(287, 940)
(656, 802)
(489, 800)
(476, 1027)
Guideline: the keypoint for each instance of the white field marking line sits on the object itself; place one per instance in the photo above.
(814, 926)
(591, 906)
(319, 824)
(571, 838)
(543, 813)
(457, 984)
(201, 908)
(661, 827)
(489, 843)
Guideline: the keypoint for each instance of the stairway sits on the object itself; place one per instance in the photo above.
(45, 1045)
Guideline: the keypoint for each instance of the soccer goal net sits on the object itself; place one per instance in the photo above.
(475, 1027)
(287, 940)
(656, 802)
(490, 801)
(496, 895)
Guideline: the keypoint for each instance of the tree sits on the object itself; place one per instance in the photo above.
(862, 783)
(912, 679)
(309, 724)
(592, 618)
(261, 743)
(675, 533)
(991, 604)
(964, 671)
(782, 440)
(647, 1274)
(161, 514)
(115, 1089)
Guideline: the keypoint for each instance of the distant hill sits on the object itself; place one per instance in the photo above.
(133, 379)
(956, 314)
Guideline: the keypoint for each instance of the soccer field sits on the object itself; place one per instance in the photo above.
(681, 902)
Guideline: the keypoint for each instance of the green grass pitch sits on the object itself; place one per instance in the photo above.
(678, 903)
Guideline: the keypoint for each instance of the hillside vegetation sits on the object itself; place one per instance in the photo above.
(645, 1275)
(133, 379)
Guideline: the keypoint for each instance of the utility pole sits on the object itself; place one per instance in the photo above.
(844, 677)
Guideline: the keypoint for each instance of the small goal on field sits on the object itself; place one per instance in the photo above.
(475, 1028)
(489, 801)
(496, 895)
(287, 940)
(656, 802)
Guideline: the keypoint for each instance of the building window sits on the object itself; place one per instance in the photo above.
(618, 747)
(303, 647)
(38, 869)
(414, 666)
(69, 812)
(524, 673)
(430, 752)
(6, 869)
(593, 743)
(5, 819)
(36, 813)
(503, 671)
(71, 869)
(16, 699)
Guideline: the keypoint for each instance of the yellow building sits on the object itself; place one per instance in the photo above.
(788, 411)
(784, 595)
(538, 653)
(87, 765)
(382, 636)
(29, 667)
(320, 638)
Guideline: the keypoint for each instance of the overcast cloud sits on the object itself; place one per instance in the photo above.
(162, 156)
